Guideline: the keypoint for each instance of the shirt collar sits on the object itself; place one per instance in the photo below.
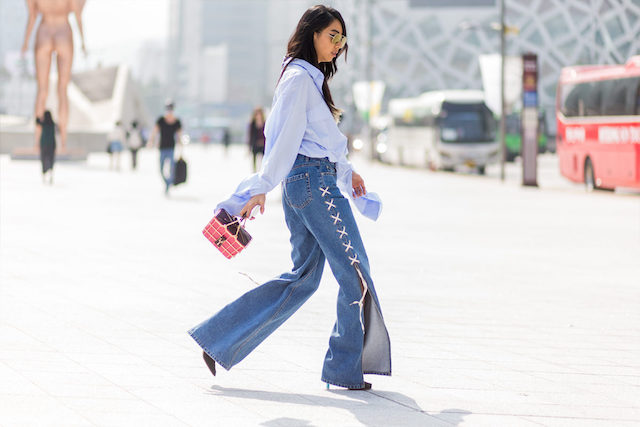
(315, 73)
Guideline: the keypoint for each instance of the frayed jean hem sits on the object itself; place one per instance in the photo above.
(386, 374)
(349, 386)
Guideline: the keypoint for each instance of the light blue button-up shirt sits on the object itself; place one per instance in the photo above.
(300, 123)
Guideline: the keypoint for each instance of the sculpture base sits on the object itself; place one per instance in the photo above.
(69, 155)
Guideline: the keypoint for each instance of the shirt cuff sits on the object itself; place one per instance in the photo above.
(369, 205)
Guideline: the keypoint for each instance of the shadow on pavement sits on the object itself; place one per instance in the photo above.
(293, 422)
(362, 405)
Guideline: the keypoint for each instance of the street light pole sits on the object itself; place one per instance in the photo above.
(369, 78)
(502, 100)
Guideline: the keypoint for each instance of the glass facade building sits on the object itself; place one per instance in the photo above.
(411, 45)
(419, 45)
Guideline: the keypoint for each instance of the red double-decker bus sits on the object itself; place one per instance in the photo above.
(598, 115)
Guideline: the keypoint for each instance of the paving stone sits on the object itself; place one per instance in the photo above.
(508, 306)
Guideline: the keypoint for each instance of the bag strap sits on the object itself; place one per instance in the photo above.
(241, 221)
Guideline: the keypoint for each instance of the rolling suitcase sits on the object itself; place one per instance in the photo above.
(180, 173)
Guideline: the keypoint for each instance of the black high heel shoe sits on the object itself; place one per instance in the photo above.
(367, 386)
(211, 364)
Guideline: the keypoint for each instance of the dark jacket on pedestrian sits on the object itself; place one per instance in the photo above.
(256, 137)
(47, 141)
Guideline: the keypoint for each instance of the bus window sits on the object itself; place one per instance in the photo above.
(631, 88)
(614, 98)
(637, 109)
(568, 100)
(466, 123)
(618, 96)
(593, 99)
(573, 99)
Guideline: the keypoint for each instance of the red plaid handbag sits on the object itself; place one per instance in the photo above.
(227, 233)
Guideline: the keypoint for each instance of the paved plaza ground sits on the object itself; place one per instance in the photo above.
(506, 305)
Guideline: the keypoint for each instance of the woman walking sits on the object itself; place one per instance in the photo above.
(116, 139)
(256, 135)
(47, 145)
(306, 151)
(134, 142)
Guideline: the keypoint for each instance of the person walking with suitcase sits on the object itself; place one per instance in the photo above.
(306, 151)
(169, 128)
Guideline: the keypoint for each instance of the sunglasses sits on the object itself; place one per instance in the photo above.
(338, 40)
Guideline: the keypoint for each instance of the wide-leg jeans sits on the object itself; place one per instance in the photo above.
(322, 227)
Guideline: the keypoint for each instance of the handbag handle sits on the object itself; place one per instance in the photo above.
(238, 220)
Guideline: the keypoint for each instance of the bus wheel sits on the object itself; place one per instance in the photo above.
(589, 177)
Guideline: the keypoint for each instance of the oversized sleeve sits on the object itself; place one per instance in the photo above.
(369, 205)
(284, 130)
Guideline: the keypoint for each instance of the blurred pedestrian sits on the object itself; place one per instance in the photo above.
(226, 140)
(47, 145)
(115, 145)
(306, 152)
(169, 127)
(134, 142)
(256, 135)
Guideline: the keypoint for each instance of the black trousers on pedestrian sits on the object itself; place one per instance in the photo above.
(134, 157)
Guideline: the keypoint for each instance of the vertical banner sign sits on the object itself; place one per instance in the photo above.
(529, 119)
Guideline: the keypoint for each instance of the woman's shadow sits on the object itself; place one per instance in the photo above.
(369, 407)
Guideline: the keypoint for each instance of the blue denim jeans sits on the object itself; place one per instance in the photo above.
(322, 227)
(166, 156)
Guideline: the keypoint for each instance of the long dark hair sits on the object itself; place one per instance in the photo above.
(254, 115)
(300, 45)
(47, 119)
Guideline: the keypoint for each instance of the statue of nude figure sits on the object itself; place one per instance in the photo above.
(53, 35)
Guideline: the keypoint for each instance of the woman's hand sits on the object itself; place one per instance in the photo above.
(257, 200)
(358, 185)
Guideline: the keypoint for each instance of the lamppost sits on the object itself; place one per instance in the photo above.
(503, 29)
(369, 78)
(503, 127)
